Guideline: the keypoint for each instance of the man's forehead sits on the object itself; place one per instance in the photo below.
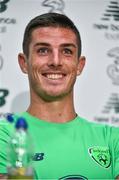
(51, 34)
(51, 29)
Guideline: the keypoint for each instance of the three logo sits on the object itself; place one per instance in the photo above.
(113, 69)
(54, 5)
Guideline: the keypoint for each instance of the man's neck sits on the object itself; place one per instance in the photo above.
(57, 111)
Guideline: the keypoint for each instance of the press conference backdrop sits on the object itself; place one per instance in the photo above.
(97, 89)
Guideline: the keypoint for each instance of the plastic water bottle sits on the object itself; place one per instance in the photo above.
(20, 153)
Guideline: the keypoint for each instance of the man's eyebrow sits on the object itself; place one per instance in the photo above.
(68, 45)
(61, 45)
(41, 44)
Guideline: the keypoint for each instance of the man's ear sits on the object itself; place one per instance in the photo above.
(81, 64)
(23, 62)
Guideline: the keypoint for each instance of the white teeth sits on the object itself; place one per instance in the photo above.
(54, 76)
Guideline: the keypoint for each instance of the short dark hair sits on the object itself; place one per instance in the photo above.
(47, 20)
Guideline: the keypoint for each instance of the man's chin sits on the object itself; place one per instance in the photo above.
(53, 96)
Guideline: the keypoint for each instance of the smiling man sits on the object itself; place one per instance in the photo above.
(66, 146)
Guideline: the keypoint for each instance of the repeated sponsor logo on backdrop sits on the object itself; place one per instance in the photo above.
(1, 59)
(113, 67)
(54, 5)
(3, 5)
(109, 21)
(4, 92)
(112, 10)
(109, 25)
(112, 104)
(110, 109)
(5, 21)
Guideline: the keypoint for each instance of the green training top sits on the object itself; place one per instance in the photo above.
(77, 149)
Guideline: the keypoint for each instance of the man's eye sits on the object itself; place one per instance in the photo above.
(43, 50)
(67, 51)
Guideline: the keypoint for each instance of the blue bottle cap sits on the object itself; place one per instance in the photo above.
(21, 123)
(9, 117)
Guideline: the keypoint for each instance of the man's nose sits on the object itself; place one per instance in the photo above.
(55, 59)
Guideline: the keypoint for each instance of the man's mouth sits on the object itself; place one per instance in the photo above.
(54, 76)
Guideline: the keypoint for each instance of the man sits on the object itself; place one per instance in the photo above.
(70, 147)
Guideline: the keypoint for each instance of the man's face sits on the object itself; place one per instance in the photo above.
(53, 62)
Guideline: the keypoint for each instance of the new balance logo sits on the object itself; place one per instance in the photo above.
(112, 10)
(3, 5)
(38, 157)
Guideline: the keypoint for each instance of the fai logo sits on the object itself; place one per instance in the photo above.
(3, 5)
(113, 69)
(54, 5)
(112, 10)
(73, 177)
(101, 155)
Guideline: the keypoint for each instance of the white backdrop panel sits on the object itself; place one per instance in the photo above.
(97, 89)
